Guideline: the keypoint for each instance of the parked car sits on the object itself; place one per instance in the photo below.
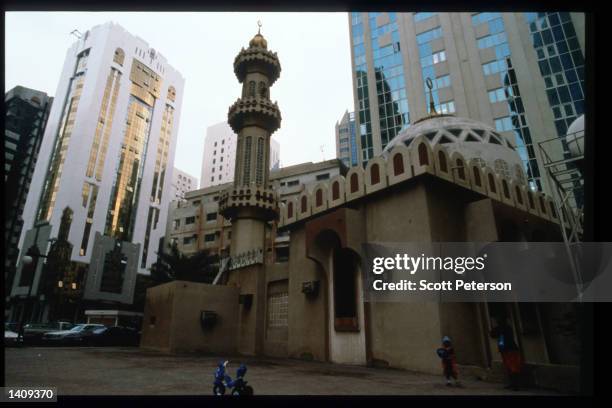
(34, 332)
(114, 336)
(11, 326)
(10, 338)
(76, 335)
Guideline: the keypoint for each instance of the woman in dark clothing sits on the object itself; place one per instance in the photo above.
(510, 352)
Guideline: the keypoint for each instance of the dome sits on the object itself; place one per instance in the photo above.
(258, 41)
(470, 138)
(575, 137)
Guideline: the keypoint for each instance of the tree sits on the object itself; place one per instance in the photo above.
(174, 265)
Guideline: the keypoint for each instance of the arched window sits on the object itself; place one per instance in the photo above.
(374, 174)
(477, 180)
(398, 164)
(304, 204)
(531, 203)
(335, 190)
(319, 198)
(290, 210)
(492, 183)
(423, 156)
(354, 183)
(442, 160)
(519, 196)
(345, 290)
(251, 89)
(460, 169)
(506, 190)
(553, 212)
(542, 205)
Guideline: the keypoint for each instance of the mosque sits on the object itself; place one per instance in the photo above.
(443, 179)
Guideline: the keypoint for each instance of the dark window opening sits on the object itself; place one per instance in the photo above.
(398, 164)
(335, 190)
(354, 182)
(442, 160)
(423, 156)
(345, 290)
(374, 174)
(492, 183)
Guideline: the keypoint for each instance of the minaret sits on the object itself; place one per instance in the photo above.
(250, 203)
(253, 117)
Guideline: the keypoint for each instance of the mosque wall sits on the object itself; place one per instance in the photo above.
(308, 327)
(172, 318)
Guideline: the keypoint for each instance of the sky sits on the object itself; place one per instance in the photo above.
(313, 92)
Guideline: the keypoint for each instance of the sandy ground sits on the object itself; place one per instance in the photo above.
(132, 371)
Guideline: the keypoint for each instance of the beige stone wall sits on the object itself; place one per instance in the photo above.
(250, 280)
(307, 317)
(157, 321)
(176, 308)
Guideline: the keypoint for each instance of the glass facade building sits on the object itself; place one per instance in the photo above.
(346, 140)
(521, 73)
(109, 142)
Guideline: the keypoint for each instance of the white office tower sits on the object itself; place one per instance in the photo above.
(108, 150)
(181, 183)
(218, 158)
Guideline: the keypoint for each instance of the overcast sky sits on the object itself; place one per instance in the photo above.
(314, 89)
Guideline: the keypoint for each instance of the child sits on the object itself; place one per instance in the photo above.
(449, 364)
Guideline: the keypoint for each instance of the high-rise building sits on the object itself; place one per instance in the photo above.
(346, 140)
(27, 111)
(105, 164)
(182, 183)
(219, 156)
(522, 73)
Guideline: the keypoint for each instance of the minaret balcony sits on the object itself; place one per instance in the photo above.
(256, 198)
(254, 111)
(257, 59)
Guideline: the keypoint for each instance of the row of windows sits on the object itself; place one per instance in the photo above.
(423, 16)
(483, 17)
(433, 59)
(428, 36)
(500, 94)
(492, 40)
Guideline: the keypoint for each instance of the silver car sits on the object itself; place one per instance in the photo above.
(76, 335)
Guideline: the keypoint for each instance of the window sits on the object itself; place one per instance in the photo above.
(293, 183)
(189, 220)
(374, 174)
(209, 237)
(335, 190)
(211, 216)
(423, 16)
(354, 182)
(324, 176)
(189, 240)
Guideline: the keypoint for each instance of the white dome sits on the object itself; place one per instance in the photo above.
(472, 139)
(575, 137)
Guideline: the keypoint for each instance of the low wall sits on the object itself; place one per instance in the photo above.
(172, 318)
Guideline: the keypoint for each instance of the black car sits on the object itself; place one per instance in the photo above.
(33, 333)
(114, 336)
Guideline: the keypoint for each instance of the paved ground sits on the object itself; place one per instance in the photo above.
(132, 371)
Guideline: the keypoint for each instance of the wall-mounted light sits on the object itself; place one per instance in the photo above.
(310, 288)
(60, 284)
(74, 285)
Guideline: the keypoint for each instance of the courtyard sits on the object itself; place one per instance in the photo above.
(134, 371)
